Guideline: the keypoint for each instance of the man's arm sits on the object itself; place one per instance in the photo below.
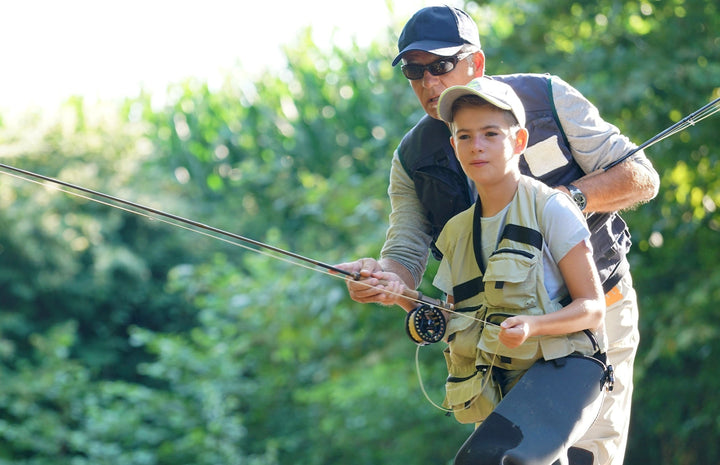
(620, 188)
(408, 237)
(595, 144)
(405, 252)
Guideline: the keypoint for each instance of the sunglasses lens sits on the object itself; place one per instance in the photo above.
(441, 67)
(436, 68)
(413, 72)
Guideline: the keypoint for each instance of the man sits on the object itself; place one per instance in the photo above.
(569, 144)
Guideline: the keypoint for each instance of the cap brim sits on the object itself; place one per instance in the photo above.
(443, 49)
(453, 93)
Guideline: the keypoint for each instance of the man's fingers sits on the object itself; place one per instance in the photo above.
(365, 266)
(364, 290)
(373, 290)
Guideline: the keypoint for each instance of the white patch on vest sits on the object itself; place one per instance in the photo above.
(545, 156)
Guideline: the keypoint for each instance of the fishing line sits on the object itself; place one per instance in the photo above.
(200, 228)
(166, 221)
(422, 384)
(138, 207)
(483, 384)
(153, 214)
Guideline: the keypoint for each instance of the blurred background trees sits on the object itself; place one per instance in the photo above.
(127, 340)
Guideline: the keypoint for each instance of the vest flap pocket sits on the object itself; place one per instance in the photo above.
(556, 347)
(473, 399)
(462, 349)
(459, 321)
(510, 279)
(510, 266)
(461, 390)
(519, 358)
(559, 346)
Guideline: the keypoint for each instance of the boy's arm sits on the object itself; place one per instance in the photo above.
(586, 311)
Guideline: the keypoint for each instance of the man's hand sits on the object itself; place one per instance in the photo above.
(380, 282)
(368, 288)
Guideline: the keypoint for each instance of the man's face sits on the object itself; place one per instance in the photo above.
(429, 87)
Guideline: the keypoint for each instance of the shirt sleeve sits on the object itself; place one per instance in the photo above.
(443, 276)
(408, 236)
(564, 226)
(594, 142)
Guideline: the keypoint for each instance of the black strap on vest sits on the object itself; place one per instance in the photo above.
(477, 235)
(511, 232)
(555, 113)
(476, 285)
(617, 274)
(468, 289)
(523, 234)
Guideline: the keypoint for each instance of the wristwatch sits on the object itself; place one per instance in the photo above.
(577, 196)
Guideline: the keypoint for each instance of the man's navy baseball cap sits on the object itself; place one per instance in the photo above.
(441, 30)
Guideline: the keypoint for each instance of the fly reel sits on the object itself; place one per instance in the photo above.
(425, 324)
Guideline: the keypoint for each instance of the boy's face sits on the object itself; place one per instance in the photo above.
(485, 145)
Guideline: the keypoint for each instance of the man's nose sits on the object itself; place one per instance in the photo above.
(428, 79)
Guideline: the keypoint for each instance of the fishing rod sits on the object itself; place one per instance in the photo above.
(416, 296)
(695, 117)
(690, 120)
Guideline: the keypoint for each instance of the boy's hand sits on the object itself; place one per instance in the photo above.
(515, 330)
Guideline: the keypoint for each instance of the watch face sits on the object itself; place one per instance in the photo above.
(580, 200)
(577, 196)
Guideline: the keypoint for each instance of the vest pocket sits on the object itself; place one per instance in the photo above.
(501, 356)
(510, 279)
(472, 397)
(574, 343)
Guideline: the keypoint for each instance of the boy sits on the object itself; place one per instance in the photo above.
(526, 341)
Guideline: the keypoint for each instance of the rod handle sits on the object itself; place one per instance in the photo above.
(418, 296)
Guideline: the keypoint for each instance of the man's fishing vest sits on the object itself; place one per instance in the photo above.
(511, 283)
(443, 189)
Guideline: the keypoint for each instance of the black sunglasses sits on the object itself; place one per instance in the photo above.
(414, 71)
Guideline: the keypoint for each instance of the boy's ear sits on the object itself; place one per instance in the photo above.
(452, 142)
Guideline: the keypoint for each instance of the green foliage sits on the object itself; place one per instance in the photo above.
(331, 372)
(54, 412)
(65, 258)
(125, 340)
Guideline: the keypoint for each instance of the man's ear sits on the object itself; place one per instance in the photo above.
(478, 64)
(521, 140)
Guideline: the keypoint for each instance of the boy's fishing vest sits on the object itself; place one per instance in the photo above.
(443, 189)
(511, 283)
